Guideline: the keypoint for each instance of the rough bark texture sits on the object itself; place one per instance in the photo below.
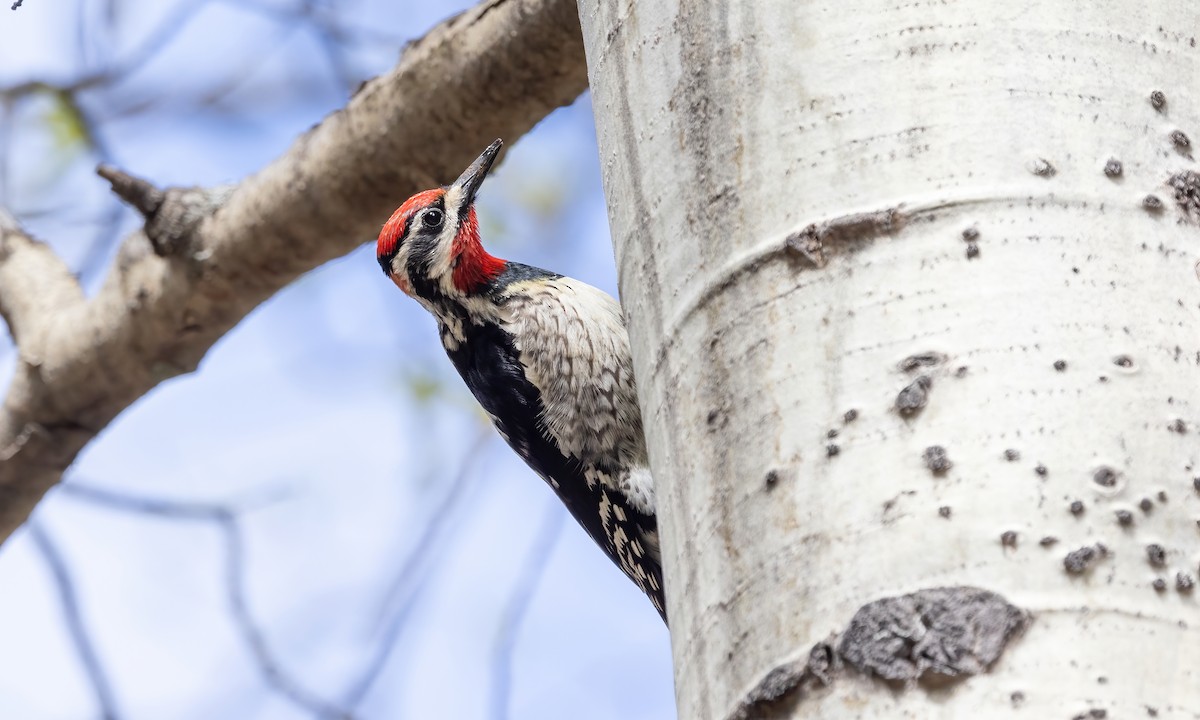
(209, 256)
(915, 304)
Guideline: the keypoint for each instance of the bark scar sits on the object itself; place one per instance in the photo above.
(951, 632)
(812, 240)
(814, 243)
(789, 681)
(933, 635)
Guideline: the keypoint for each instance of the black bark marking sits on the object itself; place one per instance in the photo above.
(1156, 555)
(1078, 562)
(920, 360)
(936, 459)
(1186, 189)
(951, 632)
(1042, 168)
(1105, 477)
(914, 396)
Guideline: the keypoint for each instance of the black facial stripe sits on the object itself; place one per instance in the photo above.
(463, 207)
(422, 245)
(419, 261)
(385, 261)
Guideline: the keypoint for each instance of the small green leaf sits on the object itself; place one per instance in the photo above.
(423, 388)
(66, 122)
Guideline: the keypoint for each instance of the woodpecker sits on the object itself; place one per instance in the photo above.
(546, 356)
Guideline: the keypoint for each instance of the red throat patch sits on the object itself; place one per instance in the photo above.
(473, 266)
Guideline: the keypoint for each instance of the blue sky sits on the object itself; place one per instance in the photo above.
(330, 417)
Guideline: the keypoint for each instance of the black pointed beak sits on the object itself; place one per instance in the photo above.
(473, 177)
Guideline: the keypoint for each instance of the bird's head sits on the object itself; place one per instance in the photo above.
(430, 247)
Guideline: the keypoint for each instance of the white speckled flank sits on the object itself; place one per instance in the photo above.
(574, 349)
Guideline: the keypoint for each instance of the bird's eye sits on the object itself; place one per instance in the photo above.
(433, 218)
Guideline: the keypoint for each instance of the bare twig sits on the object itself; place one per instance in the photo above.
(492, 72)
(65, 585)
(528, 580)
(172, 509)
(405, 589)
(156, 41)
(140, 194)
(253, 635)
(225, 517)
(173, 215)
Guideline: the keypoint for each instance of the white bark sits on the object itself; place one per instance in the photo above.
(795, 191)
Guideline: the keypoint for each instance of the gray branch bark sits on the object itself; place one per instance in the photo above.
(207, 257)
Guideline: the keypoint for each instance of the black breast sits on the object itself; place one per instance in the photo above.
(488, 361)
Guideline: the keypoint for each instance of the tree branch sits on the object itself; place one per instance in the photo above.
(34, 285)
(493, 71)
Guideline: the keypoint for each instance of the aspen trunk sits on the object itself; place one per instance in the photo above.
(914, 299)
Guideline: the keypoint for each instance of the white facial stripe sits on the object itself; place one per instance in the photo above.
(400, 261)
(441, 264)
(453, 198)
